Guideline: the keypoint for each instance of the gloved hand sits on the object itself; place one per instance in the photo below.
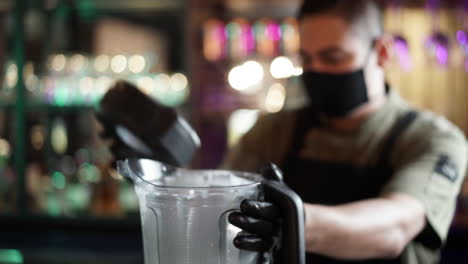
(259, 220)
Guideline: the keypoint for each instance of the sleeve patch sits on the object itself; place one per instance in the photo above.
(446, 168)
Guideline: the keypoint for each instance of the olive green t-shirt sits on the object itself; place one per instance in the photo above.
(429, 160)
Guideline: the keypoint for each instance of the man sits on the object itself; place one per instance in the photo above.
(379, 179)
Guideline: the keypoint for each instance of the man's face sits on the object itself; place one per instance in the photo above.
(330, 44)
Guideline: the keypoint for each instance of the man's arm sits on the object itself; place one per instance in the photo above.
(375, 228)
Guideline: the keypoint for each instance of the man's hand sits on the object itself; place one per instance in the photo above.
(260, 224)
(259, 220)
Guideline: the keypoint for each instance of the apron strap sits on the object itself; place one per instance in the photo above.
(305, 120)
(398, 129)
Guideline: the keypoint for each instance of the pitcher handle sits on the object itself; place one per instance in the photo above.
(291, 205)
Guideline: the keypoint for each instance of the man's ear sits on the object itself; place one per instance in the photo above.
(384, 48)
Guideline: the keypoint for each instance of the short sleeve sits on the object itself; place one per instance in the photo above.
(267, 141)
(431, 168)
(249, 153)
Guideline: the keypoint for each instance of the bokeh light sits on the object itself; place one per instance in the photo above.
(102, 84)
(282, 68)
(136, 63)
(59, 137)
(275, 98)
(178, 82)
(298, 71)
(462, 38)
(118, 63)
(236, 78)
(246, 76)
(58, 62)
(438, 45)
(37, 137)
(101, 63)
(403, 53)
(58, 180)
(162, 83)
(77, 62)
(239, 123)
(146, 84)
(88, 173)
(11, 75)
(5, 148)
(86, 85)
(214, 40)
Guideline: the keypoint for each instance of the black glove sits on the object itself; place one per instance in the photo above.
(259, 220)
(260, 224)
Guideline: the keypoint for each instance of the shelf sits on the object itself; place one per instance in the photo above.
(47, 107)
(147, 5)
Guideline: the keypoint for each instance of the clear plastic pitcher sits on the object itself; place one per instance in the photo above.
(184, 212)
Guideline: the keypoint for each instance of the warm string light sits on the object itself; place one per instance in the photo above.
(77, 63)
(249, 76)
(101, 63)
(136, 63)
(214, 39)
(282, 67)
(118, 64)
(58, 62)
(240, 121)
(240, 38)
(245, 77)
(5, 148)
(78, 79)
(275, 98)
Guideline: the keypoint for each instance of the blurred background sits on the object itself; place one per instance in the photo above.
(221, 63)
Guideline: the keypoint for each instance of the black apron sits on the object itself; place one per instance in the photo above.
(332, 183)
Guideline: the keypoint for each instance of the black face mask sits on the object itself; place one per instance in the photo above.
(335, 95)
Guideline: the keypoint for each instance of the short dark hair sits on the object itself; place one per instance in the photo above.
(365, 14)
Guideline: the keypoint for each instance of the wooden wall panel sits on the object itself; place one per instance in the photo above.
(428, 85)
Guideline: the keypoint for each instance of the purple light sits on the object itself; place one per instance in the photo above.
(49, 96)
(274, 31)
(432, 4)
(395, 4)
(403, 53)
(439, 44)
(248, 38)
(442, 55)
(221, 32)
(462, 37)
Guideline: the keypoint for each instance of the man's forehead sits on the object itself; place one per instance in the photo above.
(325, 32)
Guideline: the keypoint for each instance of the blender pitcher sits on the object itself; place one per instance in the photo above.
(184, 213)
